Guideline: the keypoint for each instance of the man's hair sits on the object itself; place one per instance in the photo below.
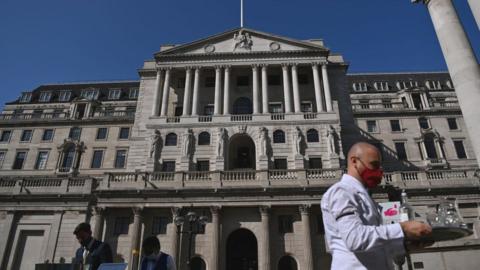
(82, 227)
(151, 243)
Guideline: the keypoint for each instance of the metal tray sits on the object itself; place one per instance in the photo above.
(447, 233)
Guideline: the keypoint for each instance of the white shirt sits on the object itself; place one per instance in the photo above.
(151, 262)
(354, 231)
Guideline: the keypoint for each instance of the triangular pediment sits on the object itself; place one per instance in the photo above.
(242, 40)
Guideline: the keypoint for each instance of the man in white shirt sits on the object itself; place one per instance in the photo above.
(353, 223)
(153, 258)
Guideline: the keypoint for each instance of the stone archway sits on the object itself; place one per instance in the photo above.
(242, 250)
(241, 153)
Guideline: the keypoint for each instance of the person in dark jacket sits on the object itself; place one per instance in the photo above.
(153, 258)
(92, 252)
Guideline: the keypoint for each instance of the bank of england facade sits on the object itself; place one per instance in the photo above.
(246, 128)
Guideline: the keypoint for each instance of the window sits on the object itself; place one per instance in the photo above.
(372, 126)
(159, 225)
(91, 94)
(401, 151)
(5, 136)
(102, 133)
(171, 139)
(168, 166)
(133, 93)
(243, 81)
(280, 164)
(306, 106)
(315, 163)
(68, 157)
(75, 133)
(418, 265)
(178, 110)
(423, 122)
(121, 225)
(181, 83)
(452, 123)
(114, 94)
(395, 125)
(25, 97)
(210, 82)
(278, 136)
(47, 135)
(19, 160)
(45, 96)
(312, 135)
(360, 87)
(124, 133)
(274, 80)
(204, 138)
(381, 86)
(285, 224)
(41, 162)
(203, 165)
(320, 227)
(26, 135)
(2, 158)
(64, 96)
(303, 79)
(97, 159)
(433, 85)
(120, 159)
(275, 108)
(460, 149)
(208, 110)
(406, 84)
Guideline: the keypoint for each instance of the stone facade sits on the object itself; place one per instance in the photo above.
(246, 128)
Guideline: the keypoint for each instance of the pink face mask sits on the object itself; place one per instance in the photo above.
(372, 178)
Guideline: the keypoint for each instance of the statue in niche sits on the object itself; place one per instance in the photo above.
(263, 141)
(297, 136)
(242, 40)
(332, 141)
(222, 136)
(187, 143)
(155, 143)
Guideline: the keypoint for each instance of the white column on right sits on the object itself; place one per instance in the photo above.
(157, 94)
(326, 88)
(187, 91)
(318, 88)
(196, 85)
(296, 90)
(255, 89)
(475, 7)
(264, 89)
(286, 88)
(226, 91)
(461, 62)
(218, 89)
(166, 90)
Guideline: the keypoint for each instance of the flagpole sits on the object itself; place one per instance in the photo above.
(241, 13)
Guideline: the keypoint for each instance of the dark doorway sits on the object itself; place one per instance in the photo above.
(242, 251)
(241, 153)
(197, 264)
(287, 263)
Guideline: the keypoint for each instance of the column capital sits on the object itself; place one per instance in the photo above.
(227, 67)
(255, 66)
(137, 211)
(188, 68)
(215, 209)
(264, 209)
(294, 65)
(176, 211)
(316, 64)
(285, 65)
(98, 210)
(304, 209)
(263, 65)
(218, 67)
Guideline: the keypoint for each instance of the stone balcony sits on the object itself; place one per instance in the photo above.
(400, 107)
(65, 116)
(44, 185)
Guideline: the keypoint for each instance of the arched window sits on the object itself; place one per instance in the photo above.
(204, 138)
(312, 135)
(242, 105)
(278, 136)
(287, 263)
(171, 139)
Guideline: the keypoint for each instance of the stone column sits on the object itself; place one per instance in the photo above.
(166, 90)
(157, 94)
(326, 88)
(174, 239)
(286, 88)
(318, 88)
(226, 91)
(215, 210)
(5, 235)
(424, 100)
(307, 240)
(218, 89)
(475, 7)
(423, 149)
(264, 89)
(196, 84)
(438, 145)
(136, 237)
(187, 90)
(98, 215)
(265, 252)
(296, 91)
(461, 62)
(255, 89)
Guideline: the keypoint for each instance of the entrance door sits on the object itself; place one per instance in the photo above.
(241, 153)
(242, 251)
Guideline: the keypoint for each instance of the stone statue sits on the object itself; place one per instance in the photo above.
(187, 143)
(332, 140)
(263, 141)
(298, 140)
(155, 143)
(242, 40)
(222, 136)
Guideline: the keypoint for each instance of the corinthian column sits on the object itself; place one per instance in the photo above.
(136, 236)
(99, 218)
(286, 88)
(255, 89)
(264, 89)
(318, 88)
(174, 239)
(265, 252)
(307, 240)
(226, 91)
(218, 89)
(215, 236)
(157, 94)
(461, 61)
(296, 91)
(326, 88)
(196, 84)
(186, 94)
(166, 88)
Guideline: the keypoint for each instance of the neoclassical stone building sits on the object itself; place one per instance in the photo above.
(245, 128)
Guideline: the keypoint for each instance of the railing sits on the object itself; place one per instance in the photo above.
(445, 104)
(45, 185)
(238, 175)
(108, 114)
(282, 175)
(241, 117)
(30, 116)
(378, 106)
(205, 118)
(173, 119)
(310, 116)
(162, 176)
(277, 116)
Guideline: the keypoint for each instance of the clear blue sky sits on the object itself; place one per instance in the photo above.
(63, 41)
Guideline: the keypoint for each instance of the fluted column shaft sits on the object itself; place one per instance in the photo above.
(264, 89)
(326, 88)
(135, 240)
(187, 91)
(157, 94)
(226, 91)
(99, 219)
(265, 252)
(255, 89)
(218, 89)
(215, 210)
(174, 237)
(318, 88)
(286, 89)
(296, 91)
(307, 240)
(166, 90)
(196, 85)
